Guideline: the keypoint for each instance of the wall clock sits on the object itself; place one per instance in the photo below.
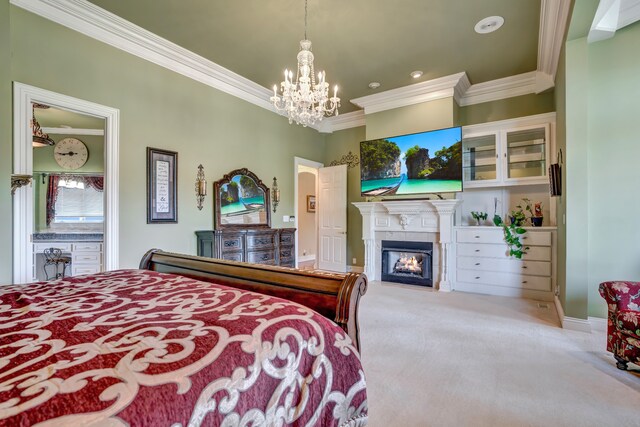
(70, 153)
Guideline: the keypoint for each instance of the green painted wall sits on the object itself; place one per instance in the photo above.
(438, 114)
(518, 106)
(561, 145)
(337, 145)
(577, 85)
(158, 108)
(612, 163)
(5, 144)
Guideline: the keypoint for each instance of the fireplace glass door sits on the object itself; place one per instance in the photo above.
(407, 262)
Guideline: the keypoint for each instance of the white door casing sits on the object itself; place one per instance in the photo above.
(332, 218)
(297, 162)
(23, 96)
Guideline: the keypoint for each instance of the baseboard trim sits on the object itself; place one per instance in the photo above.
(355, 269)
(305, 258)
(598, 324)
(559, 308)
(575, 324)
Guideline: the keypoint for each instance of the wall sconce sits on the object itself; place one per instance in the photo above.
(201, 187)
(275, 194)
(18, 181)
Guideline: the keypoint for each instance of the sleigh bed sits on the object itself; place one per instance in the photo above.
(183, 341)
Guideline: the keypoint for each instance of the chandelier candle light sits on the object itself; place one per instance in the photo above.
(305, 100)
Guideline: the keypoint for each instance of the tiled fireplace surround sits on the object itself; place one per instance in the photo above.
(412, 221)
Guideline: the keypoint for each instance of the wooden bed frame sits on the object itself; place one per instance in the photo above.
(335, 296)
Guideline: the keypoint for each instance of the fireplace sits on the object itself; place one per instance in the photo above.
(407, 262)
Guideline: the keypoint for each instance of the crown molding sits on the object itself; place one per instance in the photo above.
(95, 22)
(480, 128)
(430, 90)
(554, 17)
(73, 131)
(521, 84)
(353, 119)
(611, 16)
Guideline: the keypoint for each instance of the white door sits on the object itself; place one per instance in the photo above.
(332, 218)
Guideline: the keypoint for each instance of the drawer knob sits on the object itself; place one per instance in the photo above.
(477, 277)
(477, 263)
(525, 238)
(524, 266)
(477, 250)
(477, 237)
(524, 281)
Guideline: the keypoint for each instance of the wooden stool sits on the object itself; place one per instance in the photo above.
(53, 256)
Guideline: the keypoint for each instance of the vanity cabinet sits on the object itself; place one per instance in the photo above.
(484, 266)
(270, 246)
(504, 157)
(86, 256)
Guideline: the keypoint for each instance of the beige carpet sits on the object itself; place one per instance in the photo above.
(460, 359)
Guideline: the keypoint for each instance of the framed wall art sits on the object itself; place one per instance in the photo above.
(311, 203)
(162, 180)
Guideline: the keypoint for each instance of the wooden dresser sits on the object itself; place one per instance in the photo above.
(270, 246)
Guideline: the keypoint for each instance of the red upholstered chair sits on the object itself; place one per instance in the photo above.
(623, 331)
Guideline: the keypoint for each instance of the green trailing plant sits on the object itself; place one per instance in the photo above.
(512, 233)
(479, 216)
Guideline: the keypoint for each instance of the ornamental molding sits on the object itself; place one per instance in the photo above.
(351, 160)
(97, 23)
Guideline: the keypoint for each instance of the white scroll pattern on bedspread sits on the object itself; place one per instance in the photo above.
(132, 330)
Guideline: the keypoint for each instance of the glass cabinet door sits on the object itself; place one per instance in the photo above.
(526, 153)
(479, 157)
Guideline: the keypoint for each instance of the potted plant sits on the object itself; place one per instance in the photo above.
(512, 233)
(517, 217)
(479, 216)
(536, 212)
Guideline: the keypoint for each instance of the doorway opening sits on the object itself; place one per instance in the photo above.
(72, 204)
(306, 223)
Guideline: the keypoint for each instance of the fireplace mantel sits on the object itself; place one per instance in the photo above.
(414, 217)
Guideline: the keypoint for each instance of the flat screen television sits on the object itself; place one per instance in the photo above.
(419, 163)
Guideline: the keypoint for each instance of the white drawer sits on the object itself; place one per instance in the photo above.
(536, 238)
(535, 253)
(505, 265)
(494, 235)
(87, 247)
(85, 269)
(40, 247)
(86, 258)
(535, 283)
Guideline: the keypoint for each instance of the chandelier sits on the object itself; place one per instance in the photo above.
(305, 100)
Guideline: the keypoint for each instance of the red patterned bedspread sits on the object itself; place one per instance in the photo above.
(134, 347)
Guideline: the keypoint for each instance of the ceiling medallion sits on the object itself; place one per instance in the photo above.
(305, 100)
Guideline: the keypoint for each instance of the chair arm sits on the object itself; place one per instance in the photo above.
(621, 295)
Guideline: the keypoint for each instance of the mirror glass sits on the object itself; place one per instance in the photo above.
(242, 202)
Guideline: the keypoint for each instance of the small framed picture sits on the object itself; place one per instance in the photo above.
(311, 203)
(162, 176)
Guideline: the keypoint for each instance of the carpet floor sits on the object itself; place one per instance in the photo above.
(461, 359)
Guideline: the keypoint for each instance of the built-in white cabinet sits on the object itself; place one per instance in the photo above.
(484, 266)
(86, 257)
(505, 156)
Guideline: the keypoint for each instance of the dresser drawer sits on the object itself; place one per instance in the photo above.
(86, 247)
(536, 238)
(233, 256)
(534, 253)
(262, 257)
(535, 283)
(286, 239)
(505, 265)
(86, 258)
(286, 252)
(40, 247)
(231, 243)
(257, 241)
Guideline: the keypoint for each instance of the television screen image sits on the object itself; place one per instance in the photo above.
(427, 162)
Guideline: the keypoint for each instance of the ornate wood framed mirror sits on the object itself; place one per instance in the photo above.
(241, 200)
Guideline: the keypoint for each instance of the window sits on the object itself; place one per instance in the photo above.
(74, 205)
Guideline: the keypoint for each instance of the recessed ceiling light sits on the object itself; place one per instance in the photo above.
(489, 24)
(374, 85)
(416, 74)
